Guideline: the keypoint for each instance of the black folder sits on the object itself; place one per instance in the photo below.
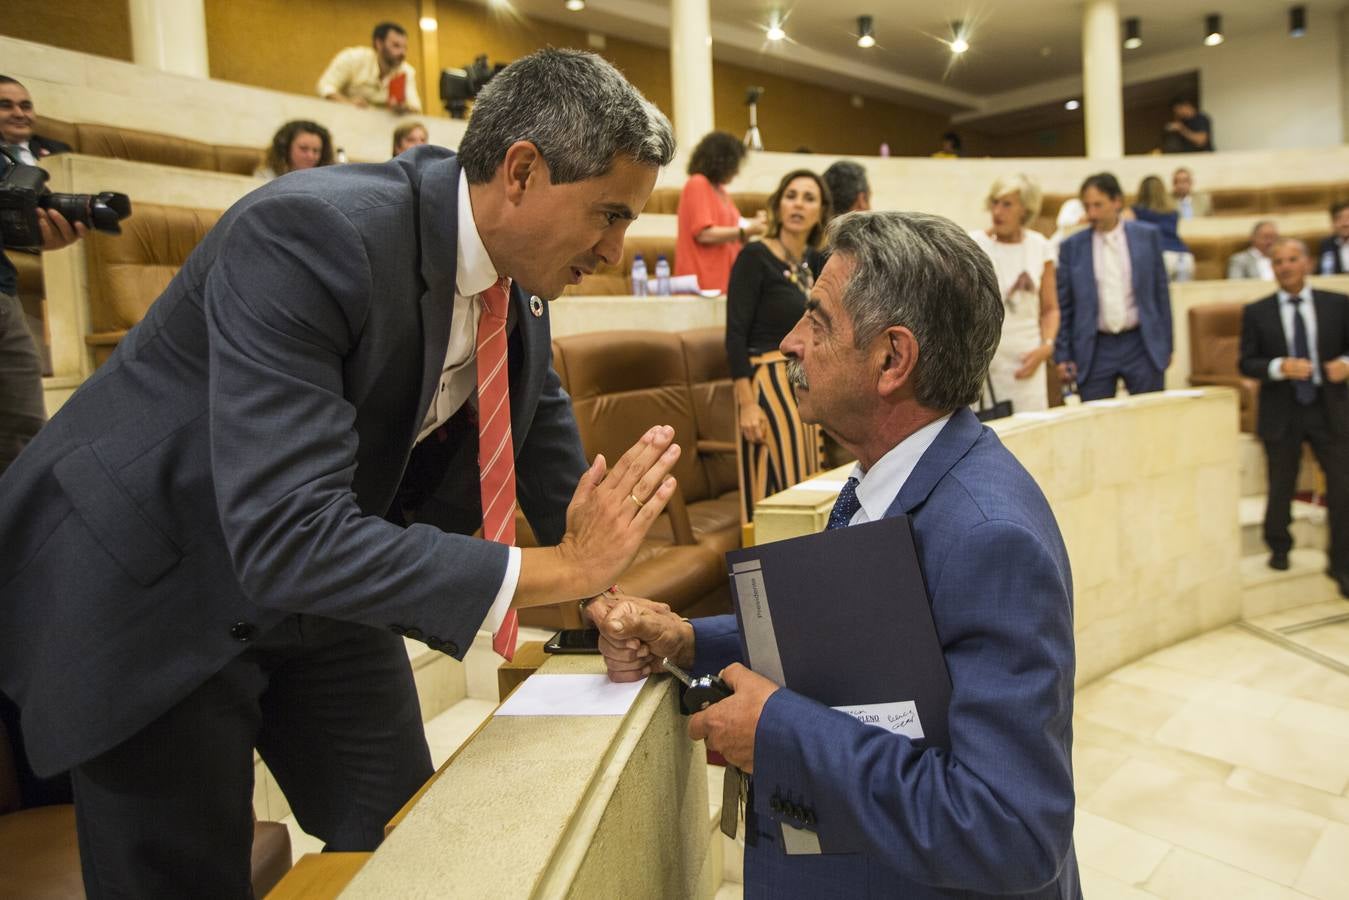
(843, 617)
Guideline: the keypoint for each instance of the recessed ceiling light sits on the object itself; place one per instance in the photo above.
(1297, 21)
(1133, 37)
(959, 43)
(866, 32)
(427, 23)
(575, 5)
(1072, 105)
(1213, 30)
(775, 32)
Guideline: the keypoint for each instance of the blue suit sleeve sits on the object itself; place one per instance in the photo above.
(716, 644)
(1162, 285)
(1063, 343)
(995, 813)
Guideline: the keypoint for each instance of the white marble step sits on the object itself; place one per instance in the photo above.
(1265, 591)
(1309, 527)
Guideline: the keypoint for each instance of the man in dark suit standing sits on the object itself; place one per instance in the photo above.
(221, 540)
(1114, 300)
(1332, 258)
(1296, 342)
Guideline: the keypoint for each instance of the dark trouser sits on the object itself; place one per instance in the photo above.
(22, 411)
(1309, 425)
(332, 709)
(1119, 356)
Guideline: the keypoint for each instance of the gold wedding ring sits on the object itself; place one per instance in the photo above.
(633, 498)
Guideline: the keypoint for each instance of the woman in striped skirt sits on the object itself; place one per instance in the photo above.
(767, 295)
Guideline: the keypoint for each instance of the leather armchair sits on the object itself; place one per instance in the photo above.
(1215, 347)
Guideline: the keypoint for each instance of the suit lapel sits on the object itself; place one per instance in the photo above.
(1327, 327)
(1134, 246)
(1088, 279)
(438, 214)
(954, 441)
(1274, 322)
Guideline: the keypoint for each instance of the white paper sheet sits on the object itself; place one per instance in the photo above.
(570, 695)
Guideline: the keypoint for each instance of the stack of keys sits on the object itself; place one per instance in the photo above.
(700, 693)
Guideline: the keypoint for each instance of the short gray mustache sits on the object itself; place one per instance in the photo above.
(796, 374)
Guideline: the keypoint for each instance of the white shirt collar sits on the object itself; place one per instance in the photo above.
(1305, 294)
(474, 272)
(878, 487)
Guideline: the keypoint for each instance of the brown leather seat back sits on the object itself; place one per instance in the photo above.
(1238, 201)
(663, 202)
(56, 130)
(622, 383)
(128, 271)
(145, 146)
(750, 202)
(237, 160)
(1301, 197)
(615, 280)
(1215, 338)
(713, 402)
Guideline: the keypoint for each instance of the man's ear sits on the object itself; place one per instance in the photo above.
(899, 360)
(523, 162)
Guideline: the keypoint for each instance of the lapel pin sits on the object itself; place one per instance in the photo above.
(536, 307)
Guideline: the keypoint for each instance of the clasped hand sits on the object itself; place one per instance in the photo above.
(636, 634)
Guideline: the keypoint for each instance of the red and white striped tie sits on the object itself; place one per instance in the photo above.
(496, 454)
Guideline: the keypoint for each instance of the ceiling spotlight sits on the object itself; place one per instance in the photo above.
(866, 32)
(575, 5)
(1072, 105)
(1133, 33)
(775, 32)
(427, 23)
(958, 43)
(1213, 30)
(1297, 21)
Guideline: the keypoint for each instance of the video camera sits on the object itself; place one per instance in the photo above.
(458, 86)
(23, 193)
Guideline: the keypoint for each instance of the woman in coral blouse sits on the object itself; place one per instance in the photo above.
(711, 230)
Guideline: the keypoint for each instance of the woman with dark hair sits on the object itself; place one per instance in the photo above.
(299, 144)
(767, 296)
(408, 135)
(1155, 206)
(711, 230)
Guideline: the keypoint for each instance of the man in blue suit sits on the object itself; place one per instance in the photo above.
(893, 347)
(1114, 300)
(220, 542)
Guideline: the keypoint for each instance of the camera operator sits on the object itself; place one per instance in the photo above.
(22, 411)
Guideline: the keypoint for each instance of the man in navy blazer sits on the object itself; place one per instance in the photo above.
(894, 346)
(221, 540)
(1114, 300)
(1296, 342)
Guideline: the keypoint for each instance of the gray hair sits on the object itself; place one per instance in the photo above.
(577, 109)
(926, 274)
(847, 180)
(1294, 241)
(1255, 229)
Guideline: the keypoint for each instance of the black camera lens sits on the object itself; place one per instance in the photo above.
(101, 212)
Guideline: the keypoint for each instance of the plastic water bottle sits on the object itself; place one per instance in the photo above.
(639, 276)
(1328, 263)
(662, 276)
(340, 156)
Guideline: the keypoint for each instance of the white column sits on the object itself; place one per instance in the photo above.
(691, 70)
(1102, 79)
(170, 35)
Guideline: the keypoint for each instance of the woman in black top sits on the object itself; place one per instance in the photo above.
(767, 295)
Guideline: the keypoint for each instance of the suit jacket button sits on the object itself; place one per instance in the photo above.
(450, 648)
(414, 633)
(243, 632)
(398, 629)
(775, 804)
(810, 817)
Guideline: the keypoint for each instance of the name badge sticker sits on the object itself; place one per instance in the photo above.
(897, 718)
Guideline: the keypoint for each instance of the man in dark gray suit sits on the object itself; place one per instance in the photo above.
(221, 539)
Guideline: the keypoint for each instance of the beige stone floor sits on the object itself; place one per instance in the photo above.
(1220, 767)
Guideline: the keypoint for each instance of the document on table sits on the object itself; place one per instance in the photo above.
(570, 695)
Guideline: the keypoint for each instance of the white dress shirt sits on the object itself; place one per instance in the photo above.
(878, 487)
(1308, 310)
(1117, 307)
(474, 273)
(354, 73)
(24, 152)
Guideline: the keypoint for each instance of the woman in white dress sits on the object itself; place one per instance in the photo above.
(1024, 262)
